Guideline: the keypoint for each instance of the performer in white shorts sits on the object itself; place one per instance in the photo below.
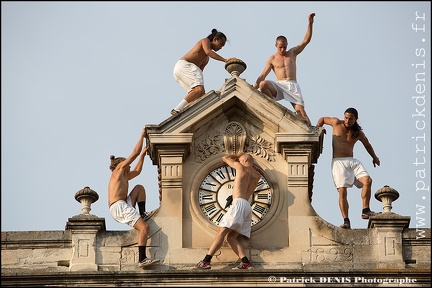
(188, 71)
(288, 90)
(283, 64)
(346, 170)
(122, 205)
(188, 75)
(238, 218)
(124, 212)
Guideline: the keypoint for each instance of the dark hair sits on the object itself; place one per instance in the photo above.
(115, 161)
(216, 34)
(282, 38)
(356, 127)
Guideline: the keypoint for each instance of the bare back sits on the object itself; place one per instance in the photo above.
(119, 182)
(245, 182)
(197, 55)
(247, 177)
(118, 186)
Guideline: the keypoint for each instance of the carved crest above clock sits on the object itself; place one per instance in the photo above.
(233, 139)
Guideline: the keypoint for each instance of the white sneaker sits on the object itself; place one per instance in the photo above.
(147, 215)
(147, 262)
(174, 112)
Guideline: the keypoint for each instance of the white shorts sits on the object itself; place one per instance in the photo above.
(238, 217)
(188, 75)
(123, 212)
(346, 171)
(288, 90)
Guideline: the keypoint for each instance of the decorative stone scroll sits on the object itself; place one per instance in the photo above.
(208, 146)
(260, 147)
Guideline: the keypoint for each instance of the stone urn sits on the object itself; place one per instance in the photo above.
(235, 66)
(86, 197)
(386, 195)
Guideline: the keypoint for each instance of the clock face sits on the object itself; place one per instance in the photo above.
(217, 186)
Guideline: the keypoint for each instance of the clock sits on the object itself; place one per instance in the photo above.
(217, 186)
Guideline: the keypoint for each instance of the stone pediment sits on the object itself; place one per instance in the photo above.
(268, 124)
(236, 96)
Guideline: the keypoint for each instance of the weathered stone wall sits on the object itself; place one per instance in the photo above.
(35, 258)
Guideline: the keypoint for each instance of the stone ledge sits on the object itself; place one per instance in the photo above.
(193, 277)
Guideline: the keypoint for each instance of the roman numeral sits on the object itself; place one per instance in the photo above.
(219, 218)
(220, 174)
(262, 184)
(263, 197)
(209, 183)
(210, 210)
(260, 210)
(231, 172)
(206, 197)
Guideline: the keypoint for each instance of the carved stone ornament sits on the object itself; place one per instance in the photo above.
(208, 146)
(235, 66)
(260, 147)
(235, 140)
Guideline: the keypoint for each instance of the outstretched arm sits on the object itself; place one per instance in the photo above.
(138, 167)
(328, 121)
(369, 149)
(136, 151)
(205, 43)
(264, 73)
(307, 38)
(332, 121)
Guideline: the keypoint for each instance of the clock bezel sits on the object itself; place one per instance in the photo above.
(213, 165)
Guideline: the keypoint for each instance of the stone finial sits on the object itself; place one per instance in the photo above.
(235, 66)
(386, 195)
(86, 197)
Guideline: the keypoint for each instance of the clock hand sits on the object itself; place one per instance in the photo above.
(229, 200)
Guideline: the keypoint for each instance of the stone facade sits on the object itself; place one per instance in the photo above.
(289, 241)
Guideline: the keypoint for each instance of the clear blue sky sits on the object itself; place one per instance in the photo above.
(80, 80)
